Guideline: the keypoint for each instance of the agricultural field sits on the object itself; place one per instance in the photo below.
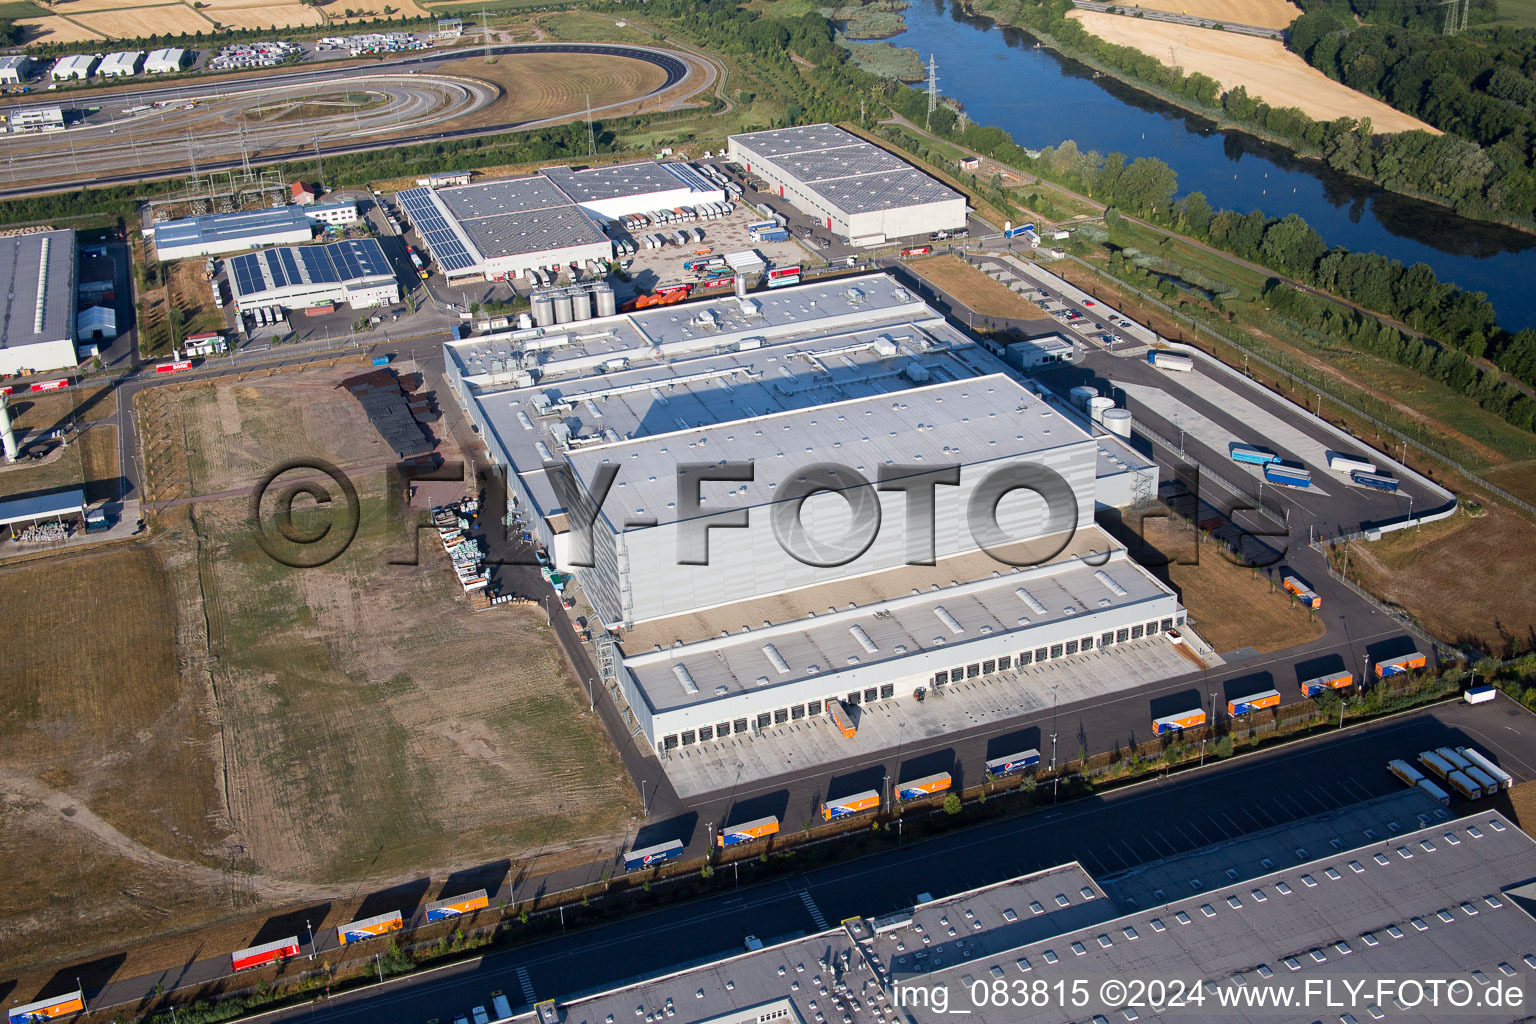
(1515, 13)
(1275, 14)
(134, 22)
(88, 20)
(1268, 70)
(54, 29)
(267, 15)
(1443, 575)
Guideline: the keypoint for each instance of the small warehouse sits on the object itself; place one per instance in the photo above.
(15, 69)
(37, 311)
(164, 62)
(38, 119)
(355, 272)
(76, 67)
(855, 189)
(123, 64)
(222, 233)
(1027, 355)
(62, 507)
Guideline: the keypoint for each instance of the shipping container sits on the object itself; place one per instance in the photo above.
(1405, 772)
(1253, 702)
(1397, 666)
(841, 718)
(1024, 759)
(1480, 694)
(50, 385)
(266, 953)
(917, 250)
(1488, 783)
(1287, 476)
(48, 1009)
(1377, 481)
(1435, 763)
(1183, 720)
(783, 272)
(381, 360)
(1341, 463)
(1480, 760)
(651, 856)
(179, 366)
(1252, 455)
(868, 800)
(453, 906)
(369, 927)
(1171, 361)
(1440, 795)
(1465, 786)
(783, 282)
(746, 832)
(1303, 592)
(1331, 681)
(928, 785)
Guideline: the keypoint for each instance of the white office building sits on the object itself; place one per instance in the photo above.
(802, 601)
(216, 234)
(38, 119)
(854, 188)
(339, 213)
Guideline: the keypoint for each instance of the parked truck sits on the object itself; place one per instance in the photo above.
(1399, 665)
(1288, 476)
(1014, 763)
(1405, 772)
(1174, 723)
(1253, 702)
(1170, 361)
(1304, 593)
(1331, 681)
(1252, 454)
(1481, 761)
(928, 785)
(1377, 481)
(858, 803)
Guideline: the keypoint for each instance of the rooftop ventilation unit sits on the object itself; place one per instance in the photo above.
(685, 678)
(948, 619)
(1109, 581)
(776, 658)
(863, 639)
(1029, 599)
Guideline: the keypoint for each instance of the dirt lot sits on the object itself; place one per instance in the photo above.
(200, 736)
(1231, 607)
(1265, 66)
(1467, 580)
(1275, 14)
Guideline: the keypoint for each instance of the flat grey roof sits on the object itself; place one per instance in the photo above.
(250, 224)
(518, 215)
(14, 60)
(42, 506)
(848, 173)
(39, 303)
(593, 184)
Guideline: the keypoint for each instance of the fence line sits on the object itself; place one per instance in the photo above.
(1398, 615)
(1417, 445)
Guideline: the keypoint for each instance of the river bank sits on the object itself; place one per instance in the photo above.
(1013, 16)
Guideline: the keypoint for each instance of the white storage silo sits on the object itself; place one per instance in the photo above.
(606, 306)
(543, 309)
(1117, 421)
(1096, 407)
(563, 308)
(1081, 394)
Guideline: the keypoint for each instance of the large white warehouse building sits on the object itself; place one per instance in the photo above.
(856, 189)
(37, 308)
(501, 229)
(354, 272)
(751, 624)
(219, 233)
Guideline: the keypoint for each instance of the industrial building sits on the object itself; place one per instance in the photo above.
(221, 233)
(1037, 352)
(15, 68)
(79, 66)
(855, 189)
(38, 119)
(1386, 890)
(166, 61)
(500, 229)
(37, 309)
(123, 64)
(354, 272)
(338, 213)
(857, 372)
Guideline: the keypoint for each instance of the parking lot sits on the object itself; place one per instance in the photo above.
(649, 268)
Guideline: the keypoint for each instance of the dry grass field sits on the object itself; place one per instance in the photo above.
(1465, 579)
(986, 295)
(134, 22)
(90, 462)
(1275, 14)
(1268, 70)
(546, 85)
(55, 29)
(267, 15)
(1229, 606)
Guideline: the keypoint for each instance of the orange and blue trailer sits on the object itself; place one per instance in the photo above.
(266, 953)
(1331, 681)
(1253, 702)
(747, 832)
(1399, 665)
(48, 1009)
(841, 718)
(1305, 594)
(928, 785)
(868, 800)
(453, 906)
(369, 927)
(1183, 720)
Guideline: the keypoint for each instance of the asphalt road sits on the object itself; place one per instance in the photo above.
(676, 71)
(1107, 835)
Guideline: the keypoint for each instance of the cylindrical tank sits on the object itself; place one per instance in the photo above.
(7, 434)
(606, 306)
(741, 285)
(1081, 394)
(543, 309)
(581, 304)
(1096, 406)
(1117, 421)
(562, 309)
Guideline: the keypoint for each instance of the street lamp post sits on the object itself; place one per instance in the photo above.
(311, 939)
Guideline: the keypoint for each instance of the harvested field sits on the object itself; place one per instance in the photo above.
(1275, 14)
(1231, 607)
(544, 85)
(264, 16)
(143, 22)
(1467, 580)
(374, 9)
(55, 30)
(1268, 70)
(985, 295)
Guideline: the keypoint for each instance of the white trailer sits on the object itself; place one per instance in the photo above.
(1406, 773)
(1465, 786)
(1171, 361)
(1480, 694)
(1488, 782)
(1341, 463)
(1435, 763)
(1479, 760)
(1440, 795)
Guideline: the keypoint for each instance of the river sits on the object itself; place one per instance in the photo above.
(1042, 98)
